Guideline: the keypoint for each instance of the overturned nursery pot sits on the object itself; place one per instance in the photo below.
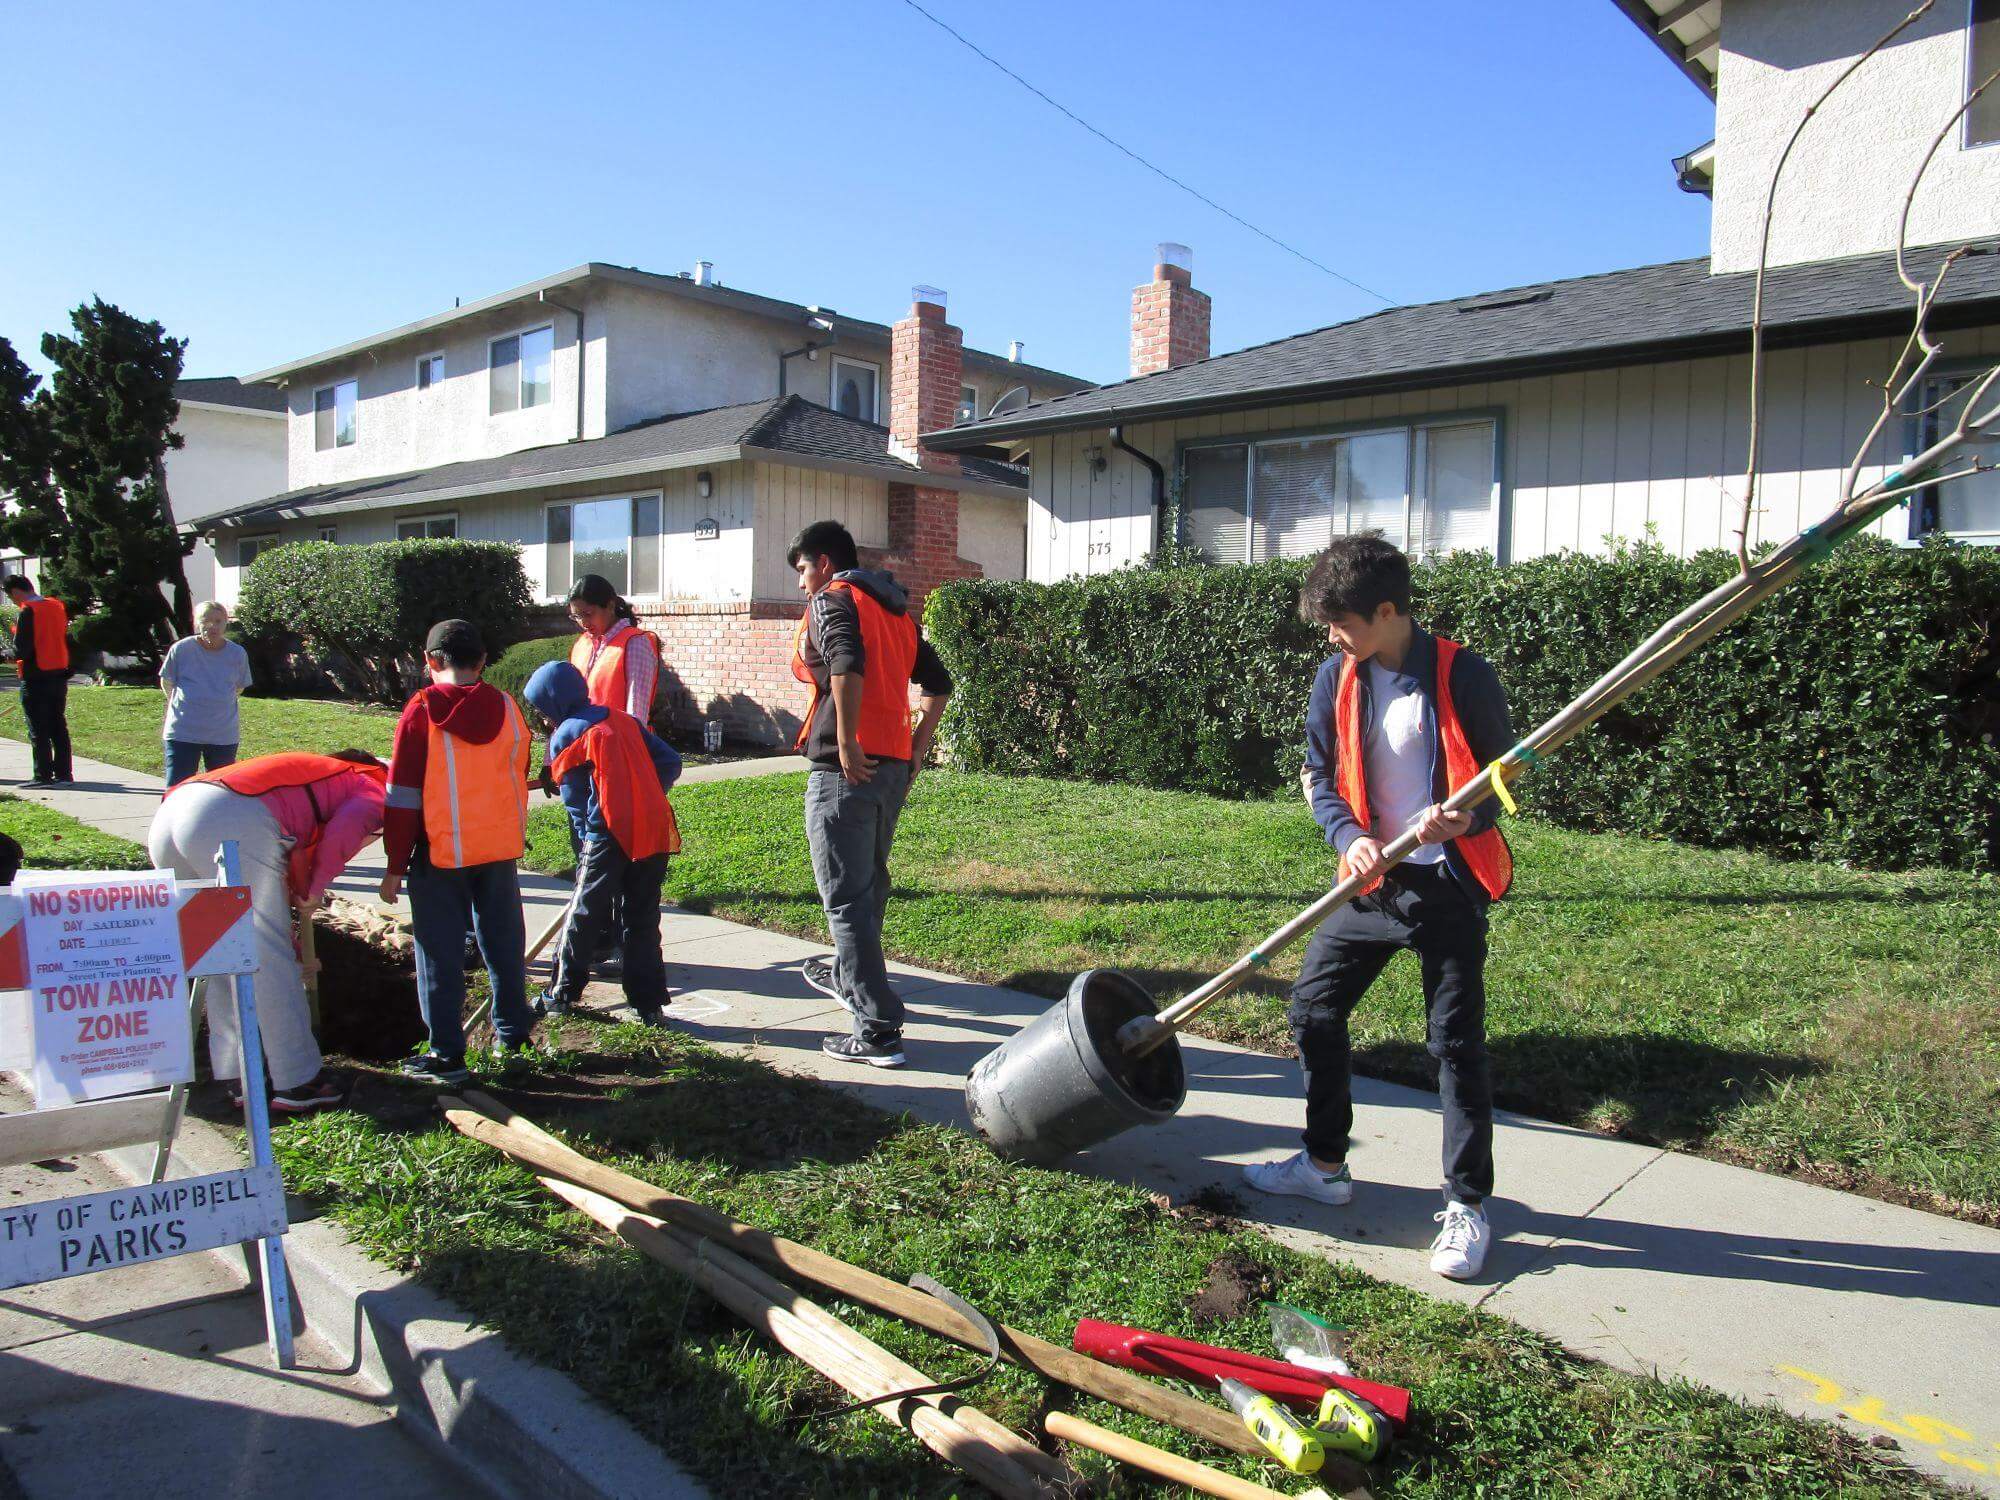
(1062, 1083)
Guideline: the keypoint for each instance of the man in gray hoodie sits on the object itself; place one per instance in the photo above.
(860, 650)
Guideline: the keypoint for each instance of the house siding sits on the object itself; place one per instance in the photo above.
(1587, 460)
(229, 458)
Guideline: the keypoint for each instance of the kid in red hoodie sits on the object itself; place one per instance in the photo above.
(456, 823)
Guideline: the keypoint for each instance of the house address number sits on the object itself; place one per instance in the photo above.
(706, 531)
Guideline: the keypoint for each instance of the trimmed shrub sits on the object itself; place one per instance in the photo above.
(1854, 716)
(519, 662)
(366, 609)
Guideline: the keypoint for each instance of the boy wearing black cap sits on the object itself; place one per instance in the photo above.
(456, 822)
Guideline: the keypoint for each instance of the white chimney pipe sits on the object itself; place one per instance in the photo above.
(704, 273)
(1014, 347)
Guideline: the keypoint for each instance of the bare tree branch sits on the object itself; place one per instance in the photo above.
(1763, 258)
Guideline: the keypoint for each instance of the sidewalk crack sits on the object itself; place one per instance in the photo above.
(1549, 1249)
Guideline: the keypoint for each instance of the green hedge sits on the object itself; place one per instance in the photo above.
(366, 609)
(1853, 717)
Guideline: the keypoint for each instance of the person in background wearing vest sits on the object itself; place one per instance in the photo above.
(1398, 720)
(457, 821)
(297, 820)
(41, 651)
(859, 650)
(621, 665)
(613, 773)
(203, 676)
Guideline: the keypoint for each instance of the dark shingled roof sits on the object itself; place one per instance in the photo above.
(1672, 311)
(227, 390)
(784, 426)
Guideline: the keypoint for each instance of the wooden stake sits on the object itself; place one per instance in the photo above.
(842, 1354)
(1156, 1460)
(519, 1137)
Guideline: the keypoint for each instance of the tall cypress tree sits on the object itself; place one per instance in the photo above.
(111, 412)
(34, 524)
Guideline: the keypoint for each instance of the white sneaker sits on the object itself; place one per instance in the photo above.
(1459, 1251)
(1297, 1177)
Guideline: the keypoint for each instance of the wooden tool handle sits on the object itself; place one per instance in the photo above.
(1155, 1460)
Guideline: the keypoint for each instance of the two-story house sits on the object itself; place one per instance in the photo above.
(667, 432)
(1580, 413)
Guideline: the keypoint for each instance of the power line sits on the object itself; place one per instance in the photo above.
(1157, 171)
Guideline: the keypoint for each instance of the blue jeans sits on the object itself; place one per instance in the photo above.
(446, 904)
(185, 757)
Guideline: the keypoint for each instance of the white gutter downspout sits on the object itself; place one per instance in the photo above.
(543, 296)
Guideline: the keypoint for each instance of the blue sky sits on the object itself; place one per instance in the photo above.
(271, 180)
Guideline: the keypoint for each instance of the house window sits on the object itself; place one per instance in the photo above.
(329, 533)
(426, 528)
(1982, 121)
(333, 416)
(1967, 509)
(430, 371)
(854, 386)
(617, 539)
(1429, 489)
(521, 370)
(968, 404)
(250, 548)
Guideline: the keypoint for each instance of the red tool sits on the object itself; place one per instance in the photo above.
(1204, 1364)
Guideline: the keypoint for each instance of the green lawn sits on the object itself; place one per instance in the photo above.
(1796, 1017)
(1501, 1411)
(51, 841)
(122, 725)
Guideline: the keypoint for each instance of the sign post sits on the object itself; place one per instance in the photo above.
(107, 962)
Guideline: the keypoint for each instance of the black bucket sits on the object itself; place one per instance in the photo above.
(1062, 1083)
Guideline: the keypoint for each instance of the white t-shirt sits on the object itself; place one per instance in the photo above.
(1396, 757)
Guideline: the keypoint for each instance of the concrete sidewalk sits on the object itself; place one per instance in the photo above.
(1882, 1318)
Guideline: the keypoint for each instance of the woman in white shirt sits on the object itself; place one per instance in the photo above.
(202, 677)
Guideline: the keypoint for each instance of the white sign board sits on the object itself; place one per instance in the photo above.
(128, 1226)
(107, 1001)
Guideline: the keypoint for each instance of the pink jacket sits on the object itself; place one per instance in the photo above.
(352, 809)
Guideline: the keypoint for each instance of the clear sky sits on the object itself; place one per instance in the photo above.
(271, 180)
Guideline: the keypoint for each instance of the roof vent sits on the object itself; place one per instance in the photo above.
(1014, 350)
(1494, 304)
(704, 273)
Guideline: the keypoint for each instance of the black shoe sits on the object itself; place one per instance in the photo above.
(887, 1054)
(648, 1015)
(434, 1069)
(819, 974)
(546, 1004)
(40, 783)
(611, 966)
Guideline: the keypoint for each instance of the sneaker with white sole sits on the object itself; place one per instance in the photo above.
(819, 974)
(887, 1054)
(1297, 1177)
(1459, 1251)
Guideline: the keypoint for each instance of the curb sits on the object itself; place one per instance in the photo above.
(520, 1430)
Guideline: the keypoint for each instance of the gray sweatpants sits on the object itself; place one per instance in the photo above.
(187, 831)
(849, 830)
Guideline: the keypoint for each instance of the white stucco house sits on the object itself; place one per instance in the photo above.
(232, 452)
(666, 431)
(1580, 413)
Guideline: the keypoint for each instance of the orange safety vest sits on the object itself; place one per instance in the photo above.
(269, 773)
(49, 620)
(476, 796)
(628, 785)
(889, 647)
(605, 679)
(1485, 853)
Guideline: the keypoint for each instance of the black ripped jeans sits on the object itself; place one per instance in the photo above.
(1421, 908)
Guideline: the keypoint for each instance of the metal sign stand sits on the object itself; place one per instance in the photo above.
(53, 1238)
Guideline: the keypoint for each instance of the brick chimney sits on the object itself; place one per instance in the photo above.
(1169, 317)
(926, 360)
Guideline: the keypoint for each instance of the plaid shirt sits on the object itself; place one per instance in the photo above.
(642, 670)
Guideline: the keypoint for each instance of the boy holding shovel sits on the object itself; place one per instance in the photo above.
(1398, 720)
